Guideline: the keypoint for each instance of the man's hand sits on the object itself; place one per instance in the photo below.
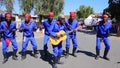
(23, 28)
(3, 30)
(97, 23)
(13, 30)
(75, 30)
(34, 28)
(79, 28)
(58, 36)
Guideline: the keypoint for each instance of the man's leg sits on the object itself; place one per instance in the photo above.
(75, 46)
(4, 49)
(46, 39)
(55, 54)
(67, 46)
(34, 46)
(15, 48)
(60, 52)
(98, 43)
(24, 46)
(107, 48)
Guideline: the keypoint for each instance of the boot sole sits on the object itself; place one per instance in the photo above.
(3, 62)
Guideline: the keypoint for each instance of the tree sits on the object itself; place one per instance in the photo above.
(42, 7)
(45, 6)
(8, 4)
(57, 6)
(1, 3)
(26, 6)
(113, 8)
(84, 11)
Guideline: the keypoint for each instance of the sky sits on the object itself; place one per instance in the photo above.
(97, 5)
(73, 5)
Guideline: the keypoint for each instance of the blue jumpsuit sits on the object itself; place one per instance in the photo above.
(102, 34)
(47, 25)
(8, 34)
(71, 26)
(57, 49)
(28, 34)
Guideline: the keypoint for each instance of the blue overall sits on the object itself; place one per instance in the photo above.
(8, 34)
(102, 34)
(57, 49)
(28, 34)
(71, 26)
(47, 25)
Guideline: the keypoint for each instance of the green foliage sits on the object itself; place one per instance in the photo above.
(26, 6)
(41, 7)
(8, 4)
(113, 8)
(1, 3)
(45, 6)
(84, 11)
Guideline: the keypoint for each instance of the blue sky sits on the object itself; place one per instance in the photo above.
(72, 5)
(97, 5)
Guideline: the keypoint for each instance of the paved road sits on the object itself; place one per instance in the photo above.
(85, 54)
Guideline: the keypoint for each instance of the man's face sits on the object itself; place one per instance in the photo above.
(50, 18)
(71, 18)
(62, 20)
(8, 18)
(27, 19)
(105, 19)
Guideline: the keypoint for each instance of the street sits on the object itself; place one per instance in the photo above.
(85, 53)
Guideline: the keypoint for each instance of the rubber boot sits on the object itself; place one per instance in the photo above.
(54, 62)
(105, 54)
(23, 57)
(35, 54)
(5, 58)
(67, 53)
(97, 54)
(73, 52)
(58, 60)
(14, 55)
(46, 54)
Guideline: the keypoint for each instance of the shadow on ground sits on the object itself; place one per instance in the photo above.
(28, 52)
(90, 54)
(86, 53)
(90, 32)
(9, 54)
(45, 58)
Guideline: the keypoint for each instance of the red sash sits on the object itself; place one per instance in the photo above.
(7, 41)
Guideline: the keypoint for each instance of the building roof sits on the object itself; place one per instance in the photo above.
(3, 12)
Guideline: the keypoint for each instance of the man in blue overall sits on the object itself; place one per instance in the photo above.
(8, 29)
(102, 35)
(71, 24)
(28, 27)
(48, 23)
(2, 17)
(57, 49)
